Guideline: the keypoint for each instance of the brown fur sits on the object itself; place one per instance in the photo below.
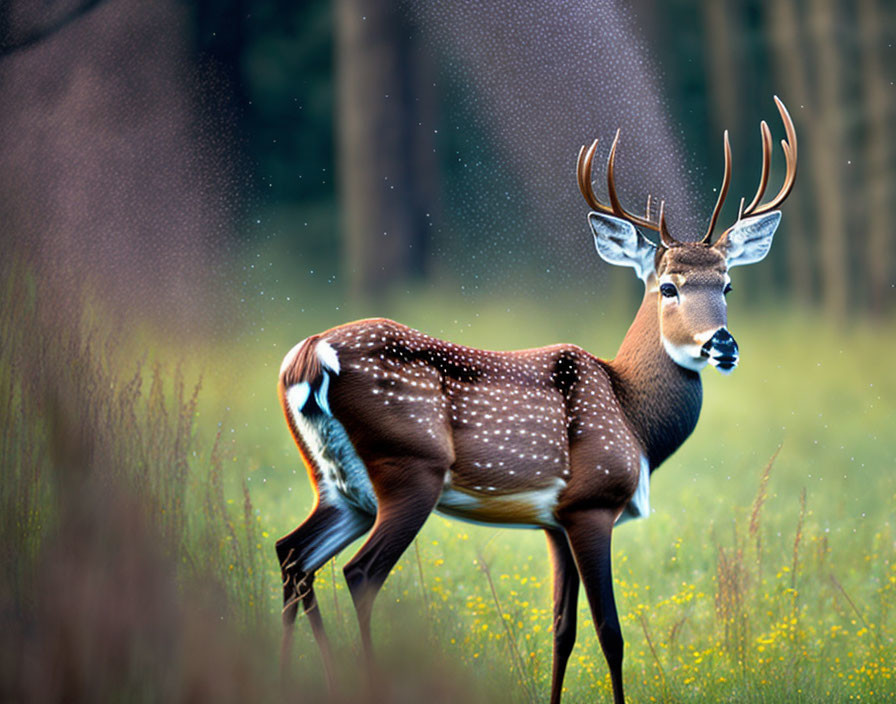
(546, 397)
(661, 400)
(305, 365)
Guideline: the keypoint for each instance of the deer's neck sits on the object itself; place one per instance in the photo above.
(660, 398)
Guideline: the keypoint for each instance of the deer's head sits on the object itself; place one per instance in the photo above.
(690, 279)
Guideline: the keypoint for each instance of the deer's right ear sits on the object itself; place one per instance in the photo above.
(618, 242)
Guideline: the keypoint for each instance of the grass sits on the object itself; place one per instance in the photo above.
(766, 572)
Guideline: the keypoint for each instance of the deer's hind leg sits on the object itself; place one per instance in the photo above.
(407, 490)
(301, 553)
(566, 599)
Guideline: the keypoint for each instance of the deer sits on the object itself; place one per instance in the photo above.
(393, 424)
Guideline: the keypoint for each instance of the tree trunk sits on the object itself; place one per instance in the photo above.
(878, 181)
(722, 49)
(790, 66)
(386, 182)
(827, 151)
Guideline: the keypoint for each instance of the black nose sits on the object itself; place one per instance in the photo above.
(722, 348)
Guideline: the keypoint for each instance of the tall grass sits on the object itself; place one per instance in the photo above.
(119, 547)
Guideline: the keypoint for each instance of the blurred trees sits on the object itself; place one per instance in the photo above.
(173, 120)
(826, 145)
(877, 98)
(388, 171)
(827, 59)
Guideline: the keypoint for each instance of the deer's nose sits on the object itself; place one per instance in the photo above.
(721, 349)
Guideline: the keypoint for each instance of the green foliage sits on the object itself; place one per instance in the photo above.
(286, 70)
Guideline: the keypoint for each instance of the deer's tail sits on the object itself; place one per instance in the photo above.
(305, 376)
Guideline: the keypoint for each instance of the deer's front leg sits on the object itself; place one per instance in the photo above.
(566, 598)
(589, 534)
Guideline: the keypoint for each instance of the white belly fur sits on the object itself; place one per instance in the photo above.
(535, 508)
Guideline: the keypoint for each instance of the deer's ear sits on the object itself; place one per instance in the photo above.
(618, 242)
(749, 240)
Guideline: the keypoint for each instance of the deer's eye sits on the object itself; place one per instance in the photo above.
(727, 289)
(668, 290)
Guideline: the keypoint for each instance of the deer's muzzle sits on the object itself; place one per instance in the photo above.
(721, 349)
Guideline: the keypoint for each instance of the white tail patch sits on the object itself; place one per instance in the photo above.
(298, 394)
(297, 397)
(639, 505)
(327, 356)
(339, 474)
(330, 361)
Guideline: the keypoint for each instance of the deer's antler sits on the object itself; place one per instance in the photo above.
(789, 147)
(583, 172)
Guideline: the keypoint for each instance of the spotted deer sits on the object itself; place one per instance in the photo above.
(393, 424)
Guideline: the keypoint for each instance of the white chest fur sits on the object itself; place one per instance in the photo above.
(639, 505)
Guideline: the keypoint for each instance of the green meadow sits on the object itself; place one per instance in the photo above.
(766, 572)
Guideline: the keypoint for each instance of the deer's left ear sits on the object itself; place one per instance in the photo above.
(749, 240)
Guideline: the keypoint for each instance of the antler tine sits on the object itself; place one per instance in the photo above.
(726, 181)
(789, 146)
(611, 179)
(583, 174)
(621, 212)
(766, 164)
(667, 239)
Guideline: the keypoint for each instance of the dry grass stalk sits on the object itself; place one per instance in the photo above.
(420, 575)
(855, 609)
(524, 678)
(110, 590)
(656, 657)
(756, 513)
(797, 539)
(731, 595)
